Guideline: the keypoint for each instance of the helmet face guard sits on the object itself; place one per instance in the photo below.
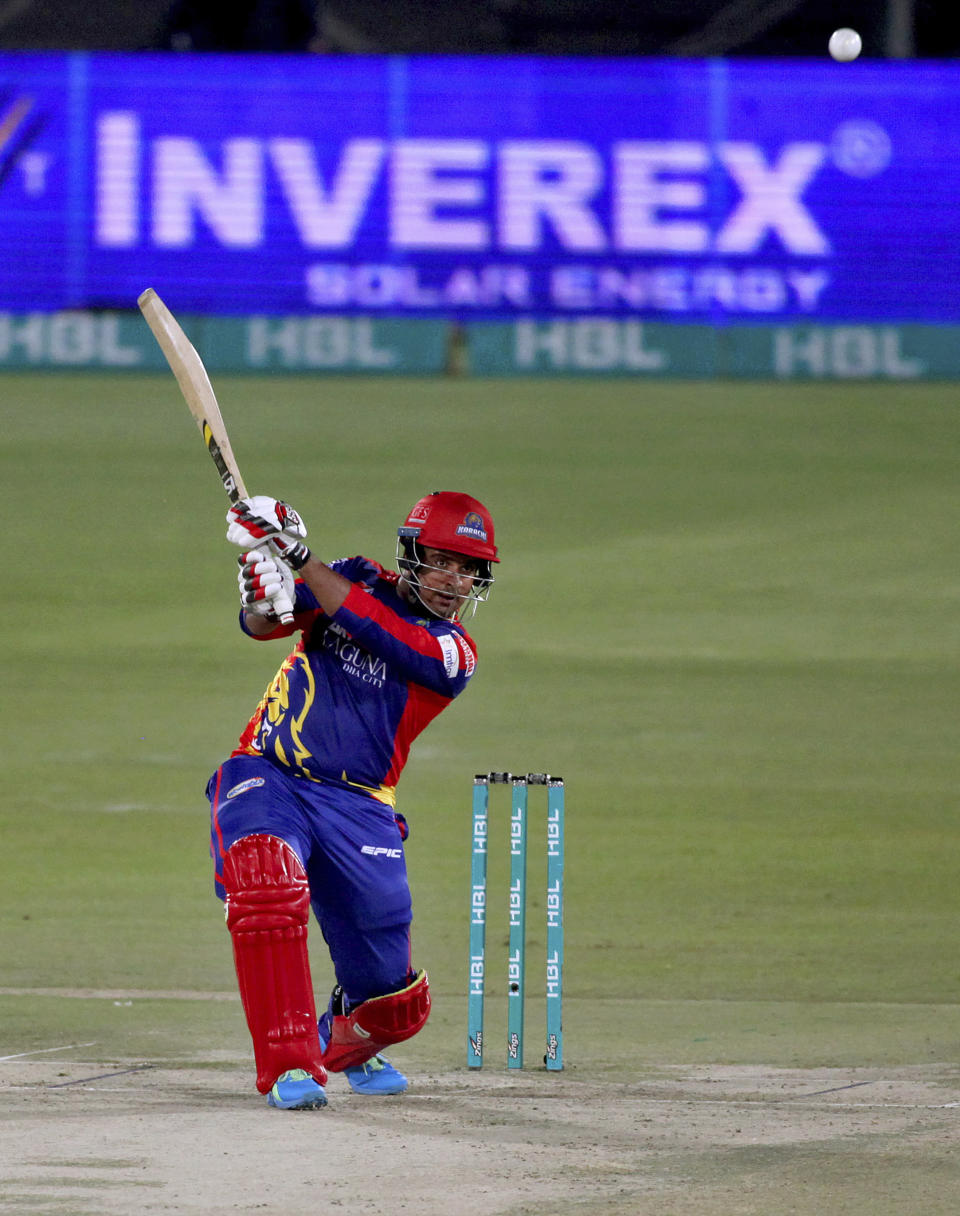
(411, 562)
(455, 523)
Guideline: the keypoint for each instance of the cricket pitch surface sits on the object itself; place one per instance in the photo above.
(88, 1138)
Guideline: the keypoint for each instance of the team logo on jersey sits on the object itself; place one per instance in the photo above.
(473, 525)
(249, 784)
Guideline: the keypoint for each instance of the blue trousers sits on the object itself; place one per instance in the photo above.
(350, 846)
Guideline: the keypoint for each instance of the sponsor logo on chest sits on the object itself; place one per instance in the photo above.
(354, 660)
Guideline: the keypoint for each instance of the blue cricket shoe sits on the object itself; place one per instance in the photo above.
(376, 1076)
(296, 1090)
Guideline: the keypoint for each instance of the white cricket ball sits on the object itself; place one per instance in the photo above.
(845, 45)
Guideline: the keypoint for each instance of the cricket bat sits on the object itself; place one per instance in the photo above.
(201, 400)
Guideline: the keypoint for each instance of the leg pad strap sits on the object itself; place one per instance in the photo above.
(358, 1036)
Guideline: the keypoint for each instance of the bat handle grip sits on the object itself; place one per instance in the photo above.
(284, 609)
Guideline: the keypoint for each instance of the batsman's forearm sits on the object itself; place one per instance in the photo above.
(330, 588)
(260, 626)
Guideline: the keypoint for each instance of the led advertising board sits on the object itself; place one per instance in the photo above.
(482, 188)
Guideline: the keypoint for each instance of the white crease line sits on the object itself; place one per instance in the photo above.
(120, 994)
(43, 1050)
(760, 1102)
(98, 1089)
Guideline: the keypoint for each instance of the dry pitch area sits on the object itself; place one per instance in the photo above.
(82, 1138)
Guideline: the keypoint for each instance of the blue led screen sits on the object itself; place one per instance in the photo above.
(484, 187)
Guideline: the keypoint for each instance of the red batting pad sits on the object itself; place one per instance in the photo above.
(376, 1023)
(268, 905)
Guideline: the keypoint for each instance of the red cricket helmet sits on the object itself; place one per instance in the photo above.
(446, 519)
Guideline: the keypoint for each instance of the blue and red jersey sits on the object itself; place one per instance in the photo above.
(360, 685)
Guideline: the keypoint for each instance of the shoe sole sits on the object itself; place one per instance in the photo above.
(369, 1092)
(306, 1104)
(378, 1093)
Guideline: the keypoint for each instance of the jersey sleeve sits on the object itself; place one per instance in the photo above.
(439, 656)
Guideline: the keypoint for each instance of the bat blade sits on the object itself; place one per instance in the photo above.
(187, 366)
(196, 388)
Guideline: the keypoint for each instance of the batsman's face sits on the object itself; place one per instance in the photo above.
(445, 580)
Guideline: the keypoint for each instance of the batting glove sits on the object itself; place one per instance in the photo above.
(263, 580)
(261, 519)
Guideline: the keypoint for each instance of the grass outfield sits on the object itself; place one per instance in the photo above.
(726, 614)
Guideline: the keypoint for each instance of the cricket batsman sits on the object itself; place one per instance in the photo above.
(303, 813)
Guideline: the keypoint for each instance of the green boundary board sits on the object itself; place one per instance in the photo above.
(581, 346)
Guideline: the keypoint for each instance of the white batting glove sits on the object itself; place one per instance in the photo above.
(260, 520)
(266, 583)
